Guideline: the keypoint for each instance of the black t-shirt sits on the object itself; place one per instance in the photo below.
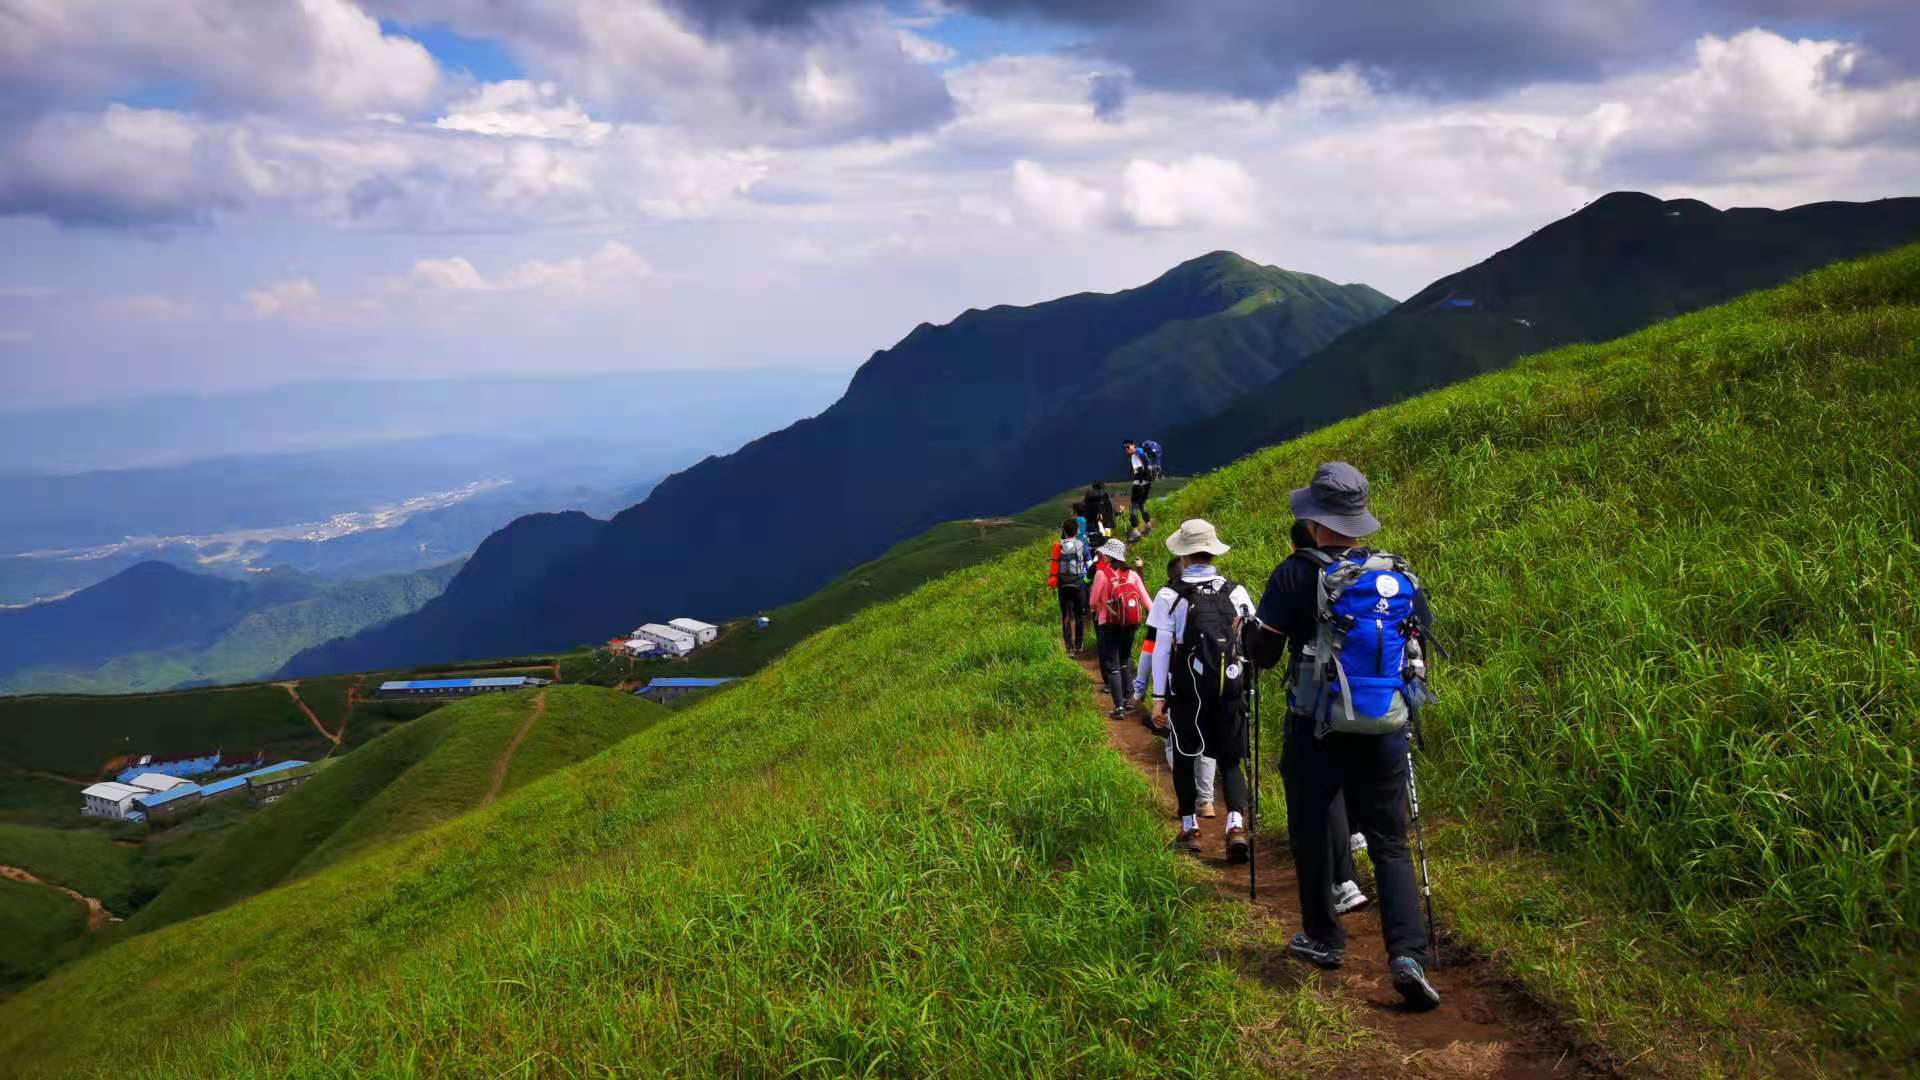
(1288, 605)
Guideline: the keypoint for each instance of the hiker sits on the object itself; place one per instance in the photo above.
(1143, 466)
(1099, 506)
(1342, 842)
(1356, 682)
(1206, 767)
(1200, 679)
(1065, 570)
(1120, 604)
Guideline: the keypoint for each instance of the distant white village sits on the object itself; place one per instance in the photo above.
(159, 789)
(673, 638)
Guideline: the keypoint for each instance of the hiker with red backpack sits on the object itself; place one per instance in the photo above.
(1201, 680)
(1120, 605)
(1355, 623)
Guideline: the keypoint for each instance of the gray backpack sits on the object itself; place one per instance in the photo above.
(1073, 561)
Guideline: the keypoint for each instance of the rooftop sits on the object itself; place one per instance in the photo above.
(451, 684)
(161, 798)
(283, 771)
(689, 684)
(112, 791)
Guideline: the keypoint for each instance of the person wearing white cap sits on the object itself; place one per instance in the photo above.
(1319, 761)
(1119, 602)
(1199, 682)
(1206, 767)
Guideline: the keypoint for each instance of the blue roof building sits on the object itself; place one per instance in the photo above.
(455, 687)
(668, 689)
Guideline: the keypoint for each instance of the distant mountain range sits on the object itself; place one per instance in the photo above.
(1623, 262)
(1003, 407)
(989, 413)
(156, 626)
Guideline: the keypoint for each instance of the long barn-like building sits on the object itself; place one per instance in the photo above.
(432, 688)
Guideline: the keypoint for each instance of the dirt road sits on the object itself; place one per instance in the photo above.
(98, 917)
(293, 691)
(1486, 1026)
(506, 756)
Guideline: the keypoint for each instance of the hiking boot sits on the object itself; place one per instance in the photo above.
(1237, 846)
(1316, 952)
(1411, 980)
(1206, 810)
(1188, 841)
(1348, 897)
(1117, 712)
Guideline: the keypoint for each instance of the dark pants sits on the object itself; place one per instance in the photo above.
(1137, 510)
(1218, 734)
(1116, 660)
(1340, 840)
(1371, 770)
(1073, 616)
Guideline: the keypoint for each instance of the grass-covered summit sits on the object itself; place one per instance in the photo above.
(1677, 573)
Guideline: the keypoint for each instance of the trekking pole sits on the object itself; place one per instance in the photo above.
(1420, 842)
(1253, 819)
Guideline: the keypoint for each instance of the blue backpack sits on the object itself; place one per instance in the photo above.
(1364, 672)
(1150, 454)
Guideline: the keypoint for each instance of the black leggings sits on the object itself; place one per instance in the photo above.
(1116, 660)
(1228, 779)
(1220, 735)
(1073, 616)
(1137, 500)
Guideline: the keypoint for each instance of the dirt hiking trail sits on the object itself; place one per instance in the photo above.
(98, 917)
(293, 691)
(1485, 1026)
(506, 756)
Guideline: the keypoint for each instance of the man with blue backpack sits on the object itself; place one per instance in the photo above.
(1353, 622)
(1143, 465)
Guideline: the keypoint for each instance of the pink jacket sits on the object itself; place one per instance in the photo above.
(1108, 580)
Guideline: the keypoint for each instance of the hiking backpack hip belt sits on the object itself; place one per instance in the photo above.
(1363, 672)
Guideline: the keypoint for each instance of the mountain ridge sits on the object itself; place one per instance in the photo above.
(1621, 263)
(973, 416)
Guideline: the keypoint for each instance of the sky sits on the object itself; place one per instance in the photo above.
(205, 196)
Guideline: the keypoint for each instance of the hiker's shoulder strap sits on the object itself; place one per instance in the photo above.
(1315, 555)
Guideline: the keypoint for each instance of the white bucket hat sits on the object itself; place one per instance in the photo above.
(1115, 550)
(1196, 535)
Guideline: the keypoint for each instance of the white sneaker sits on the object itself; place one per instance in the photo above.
(1357, 843)
(1348, 897)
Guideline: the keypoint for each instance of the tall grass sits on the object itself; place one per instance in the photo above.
(1680, 574)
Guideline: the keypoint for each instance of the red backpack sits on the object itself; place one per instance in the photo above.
(1126, 601)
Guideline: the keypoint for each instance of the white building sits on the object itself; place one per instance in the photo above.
(153, 781)
(672, 641)
(640, 647)
(702, 632)
(110, 800)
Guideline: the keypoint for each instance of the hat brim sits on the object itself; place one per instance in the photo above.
(1216, 548)
(1307, 508)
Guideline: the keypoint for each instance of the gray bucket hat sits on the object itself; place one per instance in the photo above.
(1337, 499)
(1115, 550)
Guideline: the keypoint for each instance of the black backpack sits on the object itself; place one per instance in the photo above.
(1209, 665)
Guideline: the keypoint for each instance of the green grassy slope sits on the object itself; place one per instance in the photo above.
(37, 927)
(1681, 574)
(409, 779)
(838, 866)
(74, 735)
(85, 861)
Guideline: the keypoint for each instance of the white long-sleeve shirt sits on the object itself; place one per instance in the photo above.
(1169, 617)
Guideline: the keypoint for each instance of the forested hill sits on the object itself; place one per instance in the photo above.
(987, 414)
(1624, 262)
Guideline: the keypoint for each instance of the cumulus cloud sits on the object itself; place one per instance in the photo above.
(1756, 93)
(613, 266)
(518, 108)
(1199, 191)
(124, 166)
(302, 56)
(740, 74)
(292, 299)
